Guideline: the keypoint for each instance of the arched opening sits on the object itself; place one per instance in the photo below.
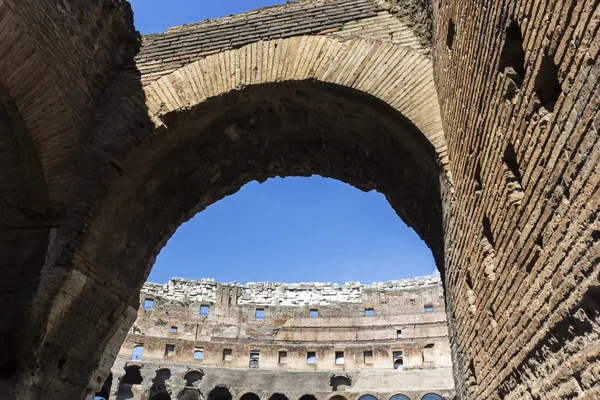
(249, 396)
(287, 129)
(220, 393)
(133, 375)
(367, 397)
(399, 397)
(159, 384)
(284, 129)
(278, 396)
(337, 397)
(432, 396)
(340, 382)
(308, 397)
(193, 378)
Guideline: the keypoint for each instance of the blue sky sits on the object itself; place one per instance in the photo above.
(153, 16)
(284, 230)
(295, 230)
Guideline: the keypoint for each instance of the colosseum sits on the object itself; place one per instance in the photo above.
(478, 120)
(313, 341)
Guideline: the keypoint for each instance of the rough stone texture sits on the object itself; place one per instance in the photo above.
(282, 294)
(341, 326)
(486, 144)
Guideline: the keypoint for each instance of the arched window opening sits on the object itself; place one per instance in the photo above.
(398, 360)
(428, 354)
(340, 382)
(399, 397)
(159, 381)
(250, 396)
(199, 354)
(133, 375)
(337, 397)
(432, 396)
(308, 397)
(367, 397)
(220, 393)
(254, 358)
(137, 352)
(278, 396)
(193, 378)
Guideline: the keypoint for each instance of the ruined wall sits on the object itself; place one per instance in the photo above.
(486, 143)
(408, 318)
(518, 87)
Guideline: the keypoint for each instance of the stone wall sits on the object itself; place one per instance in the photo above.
(518, 87)
(170, 330)
(283, 294)
(486, 144)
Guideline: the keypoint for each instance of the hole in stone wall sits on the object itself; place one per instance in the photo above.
(478, 185)
(591, 303)
(487, 230)
(340, 382)
(472, 371)
(596, 235)
(133, 375)
(468, 280)
(512, 59)
(451, 33)
(489, 252)
(547, 87)
(193, 378)
(512, 175)
(278, 396)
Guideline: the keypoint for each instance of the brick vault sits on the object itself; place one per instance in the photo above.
(477, 120)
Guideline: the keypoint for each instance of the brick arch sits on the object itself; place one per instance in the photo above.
(397, 75)
(345, 133)
(227, 122)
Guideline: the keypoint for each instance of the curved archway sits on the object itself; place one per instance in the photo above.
(195, 155)
(193, 377)
(249, 396)
(308, 397)
(284, 129)
(367, 397)
(278, 396)
(133, 375)
(399, 397)
(432, 396)
(338, 381)
(337, 397)
(220, 393)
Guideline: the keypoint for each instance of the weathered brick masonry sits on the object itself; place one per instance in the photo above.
(477, 120)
